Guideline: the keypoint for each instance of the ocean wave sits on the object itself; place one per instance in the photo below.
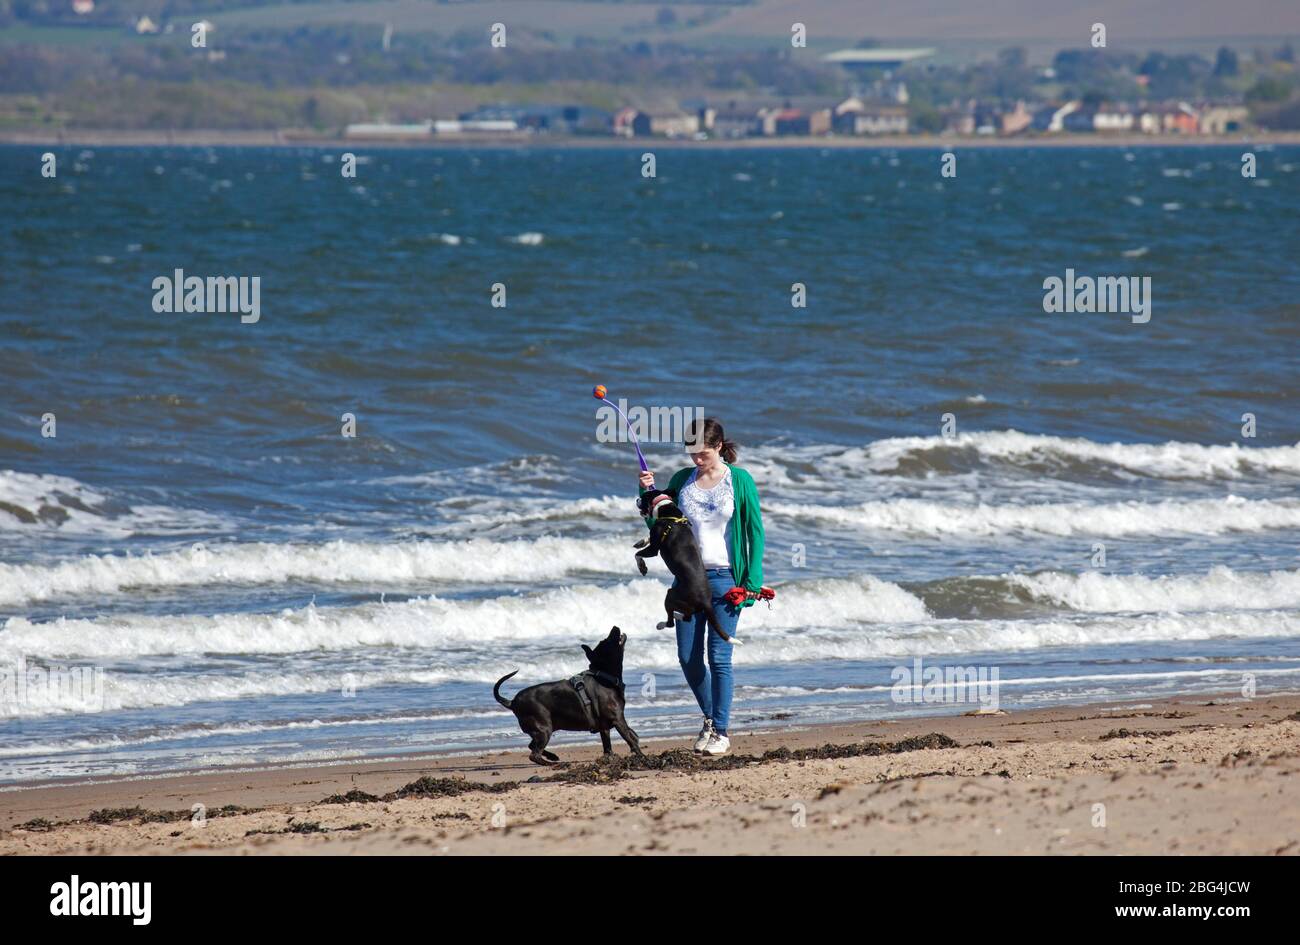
(45, 502)
(1219, 589)
(1057, 456)
(336, 562)
(925, 518)
(580, 613)
(1011, 595)
(656, 652)
(187, 733)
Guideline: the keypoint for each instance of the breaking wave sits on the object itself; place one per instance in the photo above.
(925, 518)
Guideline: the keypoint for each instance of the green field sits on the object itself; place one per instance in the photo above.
(68, 36)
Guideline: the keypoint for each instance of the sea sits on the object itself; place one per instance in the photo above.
(322, 533)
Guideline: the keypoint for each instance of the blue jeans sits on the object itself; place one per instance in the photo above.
(712, 684)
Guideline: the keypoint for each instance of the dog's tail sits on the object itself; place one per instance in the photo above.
(717, 627)
(496, 691)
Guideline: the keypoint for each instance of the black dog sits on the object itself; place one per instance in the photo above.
(671, 538)
(589, 702)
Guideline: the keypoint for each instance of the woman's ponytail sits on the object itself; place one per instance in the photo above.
(709, 433)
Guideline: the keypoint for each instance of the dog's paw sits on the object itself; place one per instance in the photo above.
(661, 626)
(640, 566)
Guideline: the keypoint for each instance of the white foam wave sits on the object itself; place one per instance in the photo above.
(337, 562)
(1172, 460)
(45, 502)
(433, 623)
(657, 652)
(1111, 519)
(1220, 589)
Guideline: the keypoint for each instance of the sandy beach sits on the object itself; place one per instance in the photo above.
(1182, 776)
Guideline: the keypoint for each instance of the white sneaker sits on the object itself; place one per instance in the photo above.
(718, 745)
(705, 734)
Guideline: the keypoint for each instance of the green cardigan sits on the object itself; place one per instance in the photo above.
(746, 527)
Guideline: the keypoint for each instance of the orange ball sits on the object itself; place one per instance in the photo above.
(599, 392)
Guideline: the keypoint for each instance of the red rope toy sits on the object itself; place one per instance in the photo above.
(738, 594)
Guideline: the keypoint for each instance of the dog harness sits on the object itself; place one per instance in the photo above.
(580, 684)
(669, 522)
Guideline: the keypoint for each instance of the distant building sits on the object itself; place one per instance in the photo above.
(959, 120)
(1051, 118)
(1015, 121)
(668, 124)
(872, 66)
(584, 119)
(730, 122)
(813, 118)
(145, 26)
(388, 131)
(1223, 119)
(483, 126)
(82, 7)
(987, 119)
(561, 119)
(1101, 118)
(1113, 118)
(1169, 119)
(517, 115)
(855, 117)
(621, 123)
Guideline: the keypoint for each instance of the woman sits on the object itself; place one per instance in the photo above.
(721, 502)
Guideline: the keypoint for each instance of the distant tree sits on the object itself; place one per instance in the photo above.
(1175, 76)
(924, 117)
(1081, 65)
(1225, 62)
(1268, 89)
(1285, 54)
(1282, 118)
(1013, 57)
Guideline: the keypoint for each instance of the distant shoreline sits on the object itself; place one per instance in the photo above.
(289, 139)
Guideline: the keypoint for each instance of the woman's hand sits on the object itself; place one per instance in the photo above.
(647, 479)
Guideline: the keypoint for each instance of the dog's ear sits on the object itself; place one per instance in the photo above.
(614, 634)
(586, 649)
(671, 493)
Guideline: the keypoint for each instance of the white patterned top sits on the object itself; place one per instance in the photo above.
(710, 513)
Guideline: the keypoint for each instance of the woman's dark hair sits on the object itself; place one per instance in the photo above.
(709, 433)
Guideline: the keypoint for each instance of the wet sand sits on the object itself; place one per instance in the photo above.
(1217, 775)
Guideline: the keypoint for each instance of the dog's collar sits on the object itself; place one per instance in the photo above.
(607, 679)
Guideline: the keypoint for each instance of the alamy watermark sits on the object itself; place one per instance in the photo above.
(67, 687)
(945, 685)
(1130, 295)
(181, 293)
(648, 424)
